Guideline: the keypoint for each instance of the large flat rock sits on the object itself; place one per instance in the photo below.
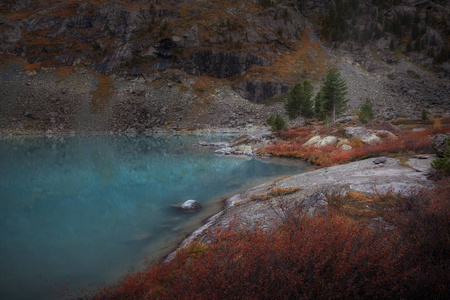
(396, 174)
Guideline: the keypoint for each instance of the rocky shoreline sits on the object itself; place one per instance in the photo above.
(259, 207)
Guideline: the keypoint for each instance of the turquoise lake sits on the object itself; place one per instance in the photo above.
(85, 210)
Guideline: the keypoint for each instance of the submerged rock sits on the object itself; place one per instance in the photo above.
(224, 151)
(243, 150)
(190, 205)
(214, 144)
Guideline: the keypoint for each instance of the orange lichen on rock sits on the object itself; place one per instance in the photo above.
(308, 59)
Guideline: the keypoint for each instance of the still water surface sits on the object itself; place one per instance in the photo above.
(84, 210)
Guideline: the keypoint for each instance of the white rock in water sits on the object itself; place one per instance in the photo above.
(225, 151)
(190, 205)
(246, 150)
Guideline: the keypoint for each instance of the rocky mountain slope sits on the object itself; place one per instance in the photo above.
(144, 65)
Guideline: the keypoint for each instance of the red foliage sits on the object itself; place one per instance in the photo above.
(326, 257)
(306, 258)
(422, 220)
(412, 142)
(297, 133)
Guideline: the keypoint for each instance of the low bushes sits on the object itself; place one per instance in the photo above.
(411, 142)
(332, 256)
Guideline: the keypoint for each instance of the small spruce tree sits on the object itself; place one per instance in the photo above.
(334, 90)
(318, 107)
(299, 101)
(276, 122)
(424, 114)
(366, 111)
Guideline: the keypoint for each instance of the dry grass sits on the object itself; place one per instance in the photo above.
(275, 192)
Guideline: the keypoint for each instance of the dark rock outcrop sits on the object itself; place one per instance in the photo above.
(9, 32)
(310, 7)
(220, 64)
(440, 144)
(258, 91)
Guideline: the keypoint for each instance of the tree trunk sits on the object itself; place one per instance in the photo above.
(334, 113)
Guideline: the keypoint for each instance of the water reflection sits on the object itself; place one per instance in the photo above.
(86, 209)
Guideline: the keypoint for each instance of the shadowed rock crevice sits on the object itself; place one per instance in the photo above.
(258, 91)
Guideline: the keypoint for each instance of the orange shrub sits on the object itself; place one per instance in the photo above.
(437, 123)
(276, 192)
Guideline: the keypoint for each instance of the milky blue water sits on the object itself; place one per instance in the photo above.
(84, 210)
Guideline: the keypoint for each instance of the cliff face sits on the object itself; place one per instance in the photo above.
(251, 49)
(136, 38)
(216, 38)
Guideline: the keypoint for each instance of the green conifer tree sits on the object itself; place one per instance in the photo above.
(299, 101)
(276, 122)
(366, 111)
(318, 107)
(334, 91)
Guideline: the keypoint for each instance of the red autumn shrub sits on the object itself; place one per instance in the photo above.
(313, 258)
(383, 135)
(321, 258)
(422, 220)
(294, 133)
(412, 142)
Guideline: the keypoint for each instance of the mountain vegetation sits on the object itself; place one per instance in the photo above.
(363, 22)
(331, 101)
(366, 111)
